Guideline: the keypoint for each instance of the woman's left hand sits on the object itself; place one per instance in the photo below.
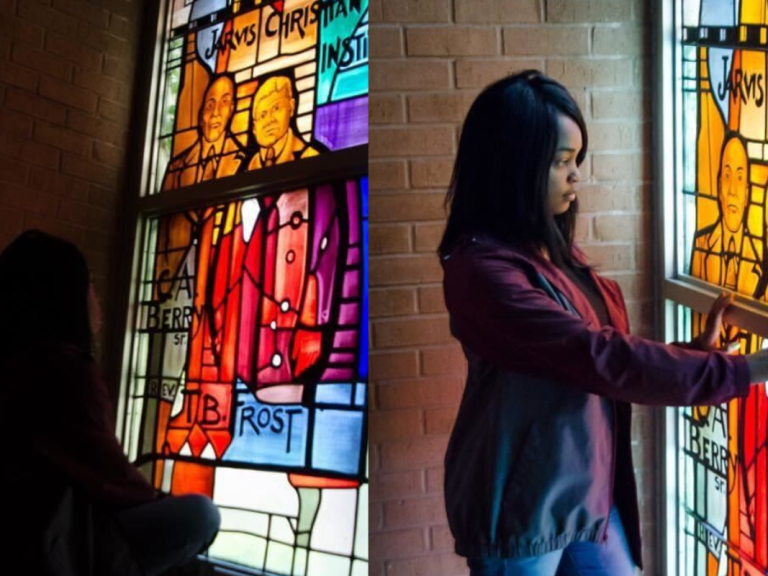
(707, 340)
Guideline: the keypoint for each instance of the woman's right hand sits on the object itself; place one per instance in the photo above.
(758, 366)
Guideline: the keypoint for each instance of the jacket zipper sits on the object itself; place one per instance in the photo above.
(614, 428)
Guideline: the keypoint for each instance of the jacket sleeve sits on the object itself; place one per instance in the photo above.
(498, 314)
(80, 438)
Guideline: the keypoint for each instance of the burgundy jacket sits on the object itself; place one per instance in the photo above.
(57, 408)
(541, 446)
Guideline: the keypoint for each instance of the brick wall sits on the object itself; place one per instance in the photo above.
(430, 58)
(66, 83)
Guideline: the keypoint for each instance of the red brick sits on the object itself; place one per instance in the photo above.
(435, 479)
(620, 167)
(410, 75)
(431, 172)
(7, 7)
(587, 11)
(440, 420)
(417, 141)
(62, 138)
(120, 70)
(92, 36)
(385, 109)
(399, 333)
(431, 299)
(70, 49)
(591, 72)
(440, 538)
(113, 111)
(583, 231)
(416, 10)
(431, 565)
(443, 360)
(497, 11)
(119, 26)
(90, 171)
(82, 10)
(618, 227)
(17, 126)
(13, 172)
(480, 73)
(625, 40)
(35, 106)
(106, 198)
(616, 135)
(40, 155)
(390, 239)
(421, 393)
(395, 424)
(392, 302)
(384, 365)
(73, 212)
(389, 271)
(427, 237)
(100, 241)
(452, 41)
(67, 94)
(626, 104)
(29, 200)
(18, 76)
(549, 41)
(408, 206)
(634, 285)
(11, 222)
(386, 175)
(108, 154)
(5, 48)
(386, 486)
(102, 220)
(385, 42)
(119, 49)
(56, 227)
(397, 544)
(609, 257)
(412, 454)
(42, 62)
(448, 107)
(54, 183)
(100, 129)
(48, 18)
(21, 31)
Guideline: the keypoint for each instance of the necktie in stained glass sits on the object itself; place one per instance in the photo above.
(731, 263)
(269, 157)
(209, 166)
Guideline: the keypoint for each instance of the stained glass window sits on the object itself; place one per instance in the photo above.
(723, 480)
(721, 222)
(250, 84)
(246, 371)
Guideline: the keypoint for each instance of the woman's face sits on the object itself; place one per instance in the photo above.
(563, 172)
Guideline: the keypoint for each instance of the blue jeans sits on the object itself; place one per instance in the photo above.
(170, 531)
(611, 558)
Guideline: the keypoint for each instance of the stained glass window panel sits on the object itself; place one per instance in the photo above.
(250, 373)
(723, 479)
(725, 144)
(250, 84)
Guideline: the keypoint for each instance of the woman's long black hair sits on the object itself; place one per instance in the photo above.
(501, 175)
(44, 286)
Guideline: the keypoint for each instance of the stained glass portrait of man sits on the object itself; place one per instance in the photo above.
(216, 152)
(273, 114)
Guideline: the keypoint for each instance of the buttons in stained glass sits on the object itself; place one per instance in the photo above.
(324, 243)
(277, 360)
(296, 219)
(290, 256)
(285, 305)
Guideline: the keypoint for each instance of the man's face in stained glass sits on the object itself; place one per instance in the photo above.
(273, 108)
(217, 109)
(733, 184)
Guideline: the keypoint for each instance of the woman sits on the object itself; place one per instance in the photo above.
(77, 503)
(538, 472)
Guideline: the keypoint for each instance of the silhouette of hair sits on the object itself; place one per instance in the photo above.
(44, 285)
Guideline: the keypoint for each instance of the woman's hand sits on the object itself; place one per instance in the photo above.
(758, 366)
(707, 340)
